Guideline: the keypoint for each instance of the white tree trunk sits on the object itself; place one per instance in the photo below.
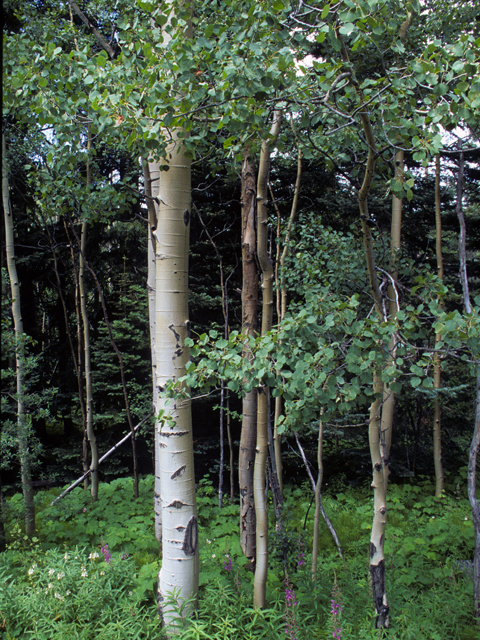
(179, 573)
(152, 190)
(22, 425)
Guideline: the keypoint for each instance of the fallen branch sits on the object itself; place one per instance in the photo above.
(314, 486)
(104, 457)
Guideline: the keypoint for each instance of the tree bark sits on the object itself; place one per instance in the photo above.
(437, 366)
(178, 575)
(151, 172)
(475, 444)
(86, 349)
(79, 360)
(472, 496)
(462, 235)
(263, 405)
(248, 435)
(22, 422)
(282, 305)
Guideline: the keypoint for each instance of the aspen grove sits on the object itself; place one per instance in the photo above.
(246, 235)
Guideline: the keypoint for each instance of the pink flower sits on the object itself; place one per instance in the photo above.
(106, 553)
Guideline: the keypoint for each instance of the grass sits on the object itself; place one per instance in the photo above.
(60, 584)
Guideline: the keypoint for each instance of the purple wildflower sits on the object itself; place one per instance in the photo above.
(336, 612)
(300, 559)
(227, 563)
(106, 553)
(291, 627)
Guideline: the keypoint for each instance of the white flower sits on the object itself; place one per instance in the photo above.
(60, 575)
(68, 593)
(31, 570)
(466, 518)
(213, 555)
(130, 593)
(66, 557)
(57, 595)
(51, 572)
(84, 573)
(208, 541)
(102, 573)
(50, 585)
(93, 556)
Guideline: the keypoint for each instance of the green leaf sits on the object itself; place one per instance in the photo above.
(325, 11)
(347, 28)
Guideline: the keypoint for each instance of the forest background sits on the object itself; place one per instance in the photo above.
(343, 129)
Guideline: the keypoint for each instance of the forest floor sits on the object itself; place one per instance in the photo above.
(91, 570)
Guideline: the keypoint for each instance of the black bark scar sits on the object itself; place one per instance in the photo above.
(190, 539)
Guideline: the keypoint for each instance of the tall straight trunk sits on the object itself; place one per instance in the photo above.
(248, 435)
(475, 444)
(80, 360)
(395, 246)
(379, 450)
(282, 304)
(86, 347)
(179, 572)
(437, 367)
(462, 236)
(472, 496)
(88, 365)
(22, 423)
(263, 402)
(151, 172)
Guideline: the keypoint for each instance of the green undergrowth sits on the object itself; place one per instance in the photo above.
(60, 584)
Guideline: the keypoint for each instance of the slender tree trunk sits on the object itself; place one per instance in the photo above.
(230, 449)
(378, 444)
(317, 492)
(122, 376)
(462, 253)
(472, 496)
(248, 435)
(22, 421)
(282, 306)
(179, 572)
(263, 403)
(151, 172)
(475, 444)
(76, 362)
(80, 360)
(437, 367)
(86, 348)
(88, 367)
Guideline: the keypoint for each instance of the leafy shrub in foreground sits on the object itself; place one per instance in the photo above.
(73, 594)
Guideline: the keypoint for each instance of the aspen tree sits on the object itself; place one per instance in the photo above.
(249, 328)
(437, 367)
(86, 347)
(22, 424)
(178, 577)
(263, 402)
(151, 172)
